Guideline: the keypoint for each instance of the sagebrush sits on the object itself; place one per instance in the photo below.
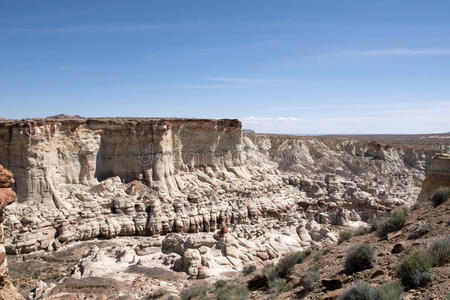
(440, 196)
(394, 223)
(359, 257)
(414, 271)
(440, 251)
(359, 291)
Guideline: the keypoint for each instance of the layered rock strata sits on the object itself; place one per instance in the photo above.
(47, 153)
(81, 179)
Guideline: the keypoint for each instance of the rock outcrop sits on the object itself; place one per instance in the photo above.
(7, 196)
(438, 176)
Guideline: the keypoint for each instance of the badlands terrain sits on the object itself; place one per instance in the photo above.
(123, 208)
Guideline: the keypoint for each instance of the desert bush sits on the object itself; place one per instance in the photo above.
(231, 291)
(271, 272)
(287, 263)
(419, 204)
(159, 293)
(440, 196)
(439, 251)
(359, 257)
(249, 269)
(286, 288)
(311, 278)
(345, 235)
(317, 256)
(194, 291)
(394, 223)
(374, 223)
(308, 251)
(362, 230)
(276, 285)
(359, 291)
(391, 291)
(276, 273)
(220, 283)
(414, 270)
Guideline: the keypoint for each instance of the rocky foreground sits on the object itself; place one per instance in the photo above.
(122, 207)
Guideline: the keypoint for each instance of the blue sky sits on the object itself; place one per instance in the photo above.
(280, 66)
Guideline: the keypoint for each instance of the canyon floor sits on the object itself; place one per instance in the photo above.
(56, 269)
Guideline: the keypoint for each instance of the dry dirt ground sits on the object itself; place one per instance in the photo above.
(332, 260)
(50, 267)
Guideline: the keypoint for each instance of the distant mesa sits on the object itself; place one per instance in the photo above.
(64, 116)
(248, 131)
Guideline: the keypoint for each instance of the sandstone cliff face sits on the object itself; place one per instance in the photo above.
(7, 196)
(47, 153)
(438, 176)
(79, 179)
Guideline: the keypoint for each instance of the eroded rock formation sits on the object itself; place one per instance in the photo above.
(7, 196)
(438, 176)
(180, 181)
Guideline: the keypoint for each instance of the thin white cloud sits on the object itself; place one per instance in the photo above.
(390, 52)
(92, 28)
(248, 80)
(414, 117)
(368, 104)
(213, 86)
(194, 86)
(253, 119)
(222, 83)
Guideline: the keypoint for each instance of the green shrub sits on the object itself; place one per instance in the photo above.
(276, 273)
(232, 291)
(359, 257)
(311, 278)
(394, 223)
(440, 196)
(439, 251)
(359, 291)
(249, 269)
(194, 291)
(391, 291)
(374, 224)
(276, 285)
(286, 288)
(414, 270)
(317, 256)
(419, 204)
(308, 251)
(345, 236)
(287, 263)
(362, 230)
(220, 283)
(159, 293)
(271, 272)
